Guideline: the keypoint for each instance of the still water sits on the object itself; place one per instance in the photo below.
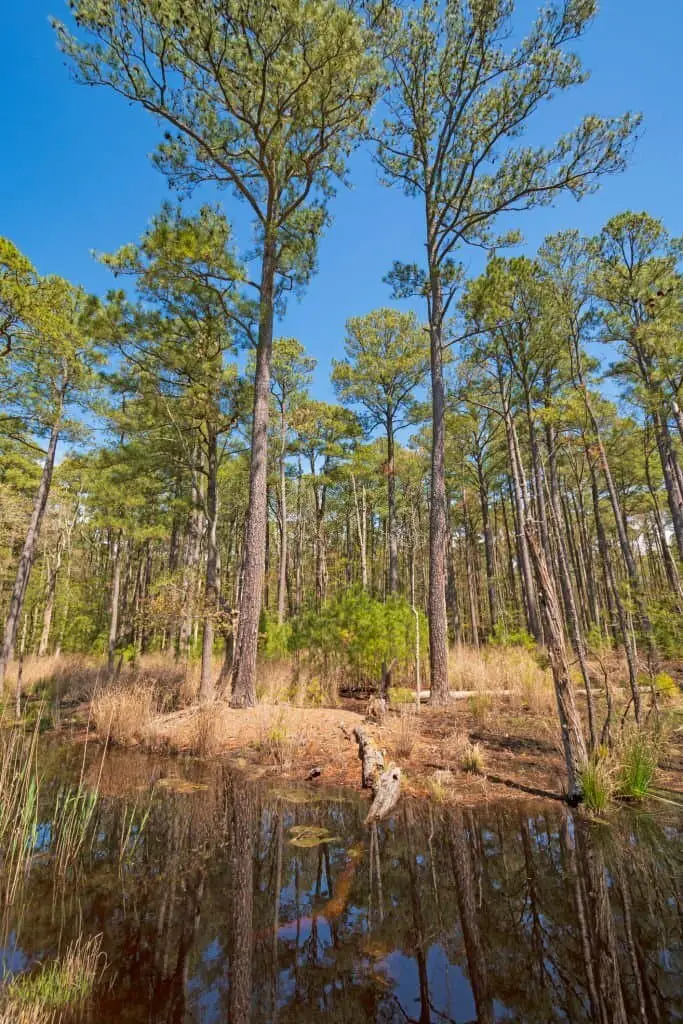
(223, 900)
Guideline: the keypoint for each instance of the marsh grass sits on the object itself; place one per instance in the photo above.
(46, 993)
(124, 712)
(597, 783)
(638, 759)
(19, 793)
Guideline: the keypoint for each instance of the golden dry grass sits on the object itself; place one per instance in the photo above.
(123, 712)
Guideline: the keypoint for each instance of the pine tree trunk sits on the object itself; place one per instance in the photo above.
(438, 520)
(29, 549)
(282, 573)
(254, 551)
(206, 682)
(48, 611)
(392, 540)
(570, 722)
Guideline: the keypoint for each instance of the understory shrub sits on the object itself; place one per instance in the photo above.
(358, 634)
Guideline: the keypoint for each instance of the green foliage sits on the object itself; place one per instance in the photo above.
(400, 695)
(665, 685)
(358, 634)
(667, 628)
(275, 638)
(597, 784)
(59, 985)
(502, 636)
(638, 759)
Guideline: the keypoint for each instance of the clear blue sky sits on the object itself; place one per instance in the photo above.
(75, 173)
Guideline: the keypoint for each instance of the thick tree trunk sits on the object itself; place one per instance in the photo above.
(243, 822)
(254, 552)
(28, 551)
(570, 722)
(438, 520)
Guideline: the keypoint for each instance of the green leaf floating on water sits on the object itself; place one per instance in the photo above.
(308, 836)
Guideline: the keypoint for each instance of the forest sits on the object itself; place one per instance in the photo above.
(457, 559)
(502, 470)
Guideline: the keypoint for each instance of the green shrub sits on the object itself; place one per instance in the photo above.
(357, 634)
(274, 638)
(504, 637)
(638, 760)
(399, 695)
(665, 685)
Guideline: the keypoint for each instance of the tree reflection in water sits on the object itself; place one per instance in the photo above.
(504, 913)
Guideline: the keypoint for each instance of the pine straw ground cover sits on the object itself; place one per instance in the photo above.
(500, 741)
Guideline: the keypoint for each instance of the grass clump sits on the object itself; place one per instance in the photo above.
(480, 706)
(638, 759)
(43, 995)
(597, 784)
(406, 733)
(472, 758)
(124, 713)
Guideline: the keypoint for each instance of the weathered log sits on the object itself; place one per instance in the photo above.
(387, 791)
(372, 759)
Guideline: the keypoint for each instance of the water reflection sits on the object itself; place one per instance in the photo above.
(222, 909)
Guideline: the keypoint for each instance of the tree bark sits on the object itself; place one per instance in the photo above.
(570, 722)
(206, 683)
(254, 551)
(392, 540)
(438, 520)
(282, 573)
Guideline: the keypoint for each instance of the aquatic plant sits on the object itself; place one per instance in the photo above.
(43, 994)
(597, 784)
(19, 789)
(638, 759)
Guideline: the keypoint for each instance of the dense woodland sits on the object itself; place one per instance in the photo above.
(504, 460)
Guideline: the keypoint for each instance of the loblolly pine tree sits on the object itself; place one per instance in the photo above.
(459, 100)
(266, 100)
(48, 371)
(387, 359)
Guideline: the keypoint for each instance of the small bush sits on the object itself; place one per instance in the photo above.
(597, 783)
(472, 758)
(638, 760)
(400, 696)
(665, 685)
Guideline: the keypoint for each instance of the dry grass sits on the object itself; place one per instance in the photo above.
(512, 671)
(406, 733)
(123, 713)
(472, 758)
(55, 988)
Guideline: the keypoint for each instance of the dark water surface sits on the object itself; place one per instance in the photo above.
(227, 907)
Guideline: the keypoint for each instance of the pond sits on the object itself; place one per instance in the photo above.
(218, 899)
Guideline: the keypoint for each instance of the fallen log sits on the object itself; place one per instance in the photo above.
(385, 785)
(387, 792)
(371, 759)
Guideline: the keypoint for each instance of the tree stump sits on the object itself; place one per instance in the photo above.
(387, 792)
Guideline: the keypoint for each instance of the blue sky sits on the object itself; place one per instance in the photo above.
(75, 173)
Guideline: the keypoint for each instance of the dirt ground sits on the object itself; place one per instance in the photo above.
(519, 752)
